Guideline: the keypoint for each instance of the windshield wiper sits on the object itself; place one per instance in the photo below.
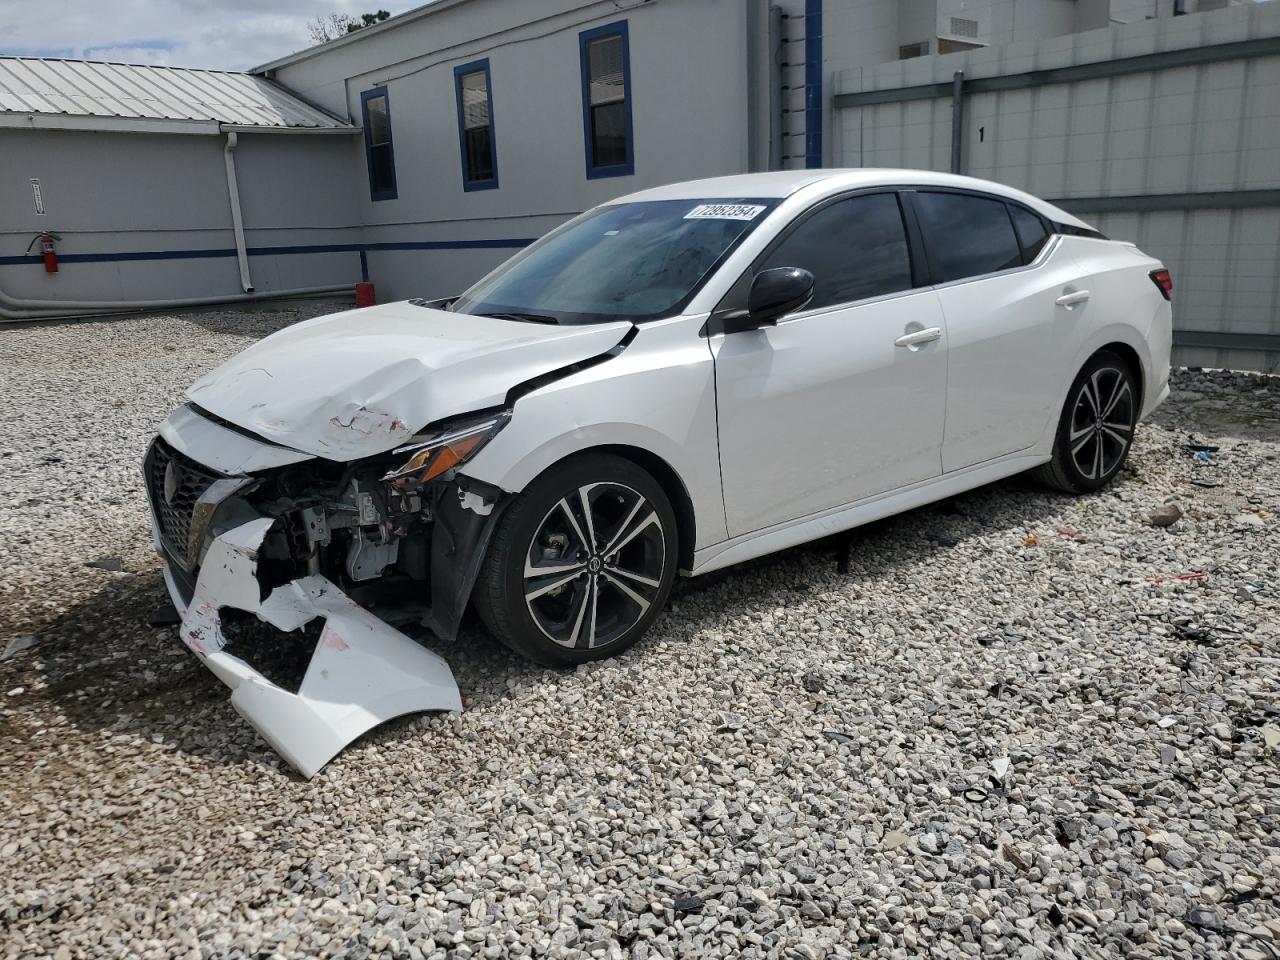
(521, 317)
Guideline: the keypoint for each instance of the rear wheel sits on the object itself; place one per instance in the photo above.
(1096, 429)
(581, 563)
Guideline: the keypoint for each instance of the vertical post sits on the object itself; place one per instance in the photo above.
(813, 101)
(957, 122)
(777, 102)
(237, 221)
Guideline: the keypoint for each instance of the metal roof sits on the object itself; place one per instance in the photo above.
(106, 93)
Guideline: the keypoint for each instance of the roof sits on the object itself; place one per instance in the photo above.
(92, 95)
(783, 183)
(364, 33)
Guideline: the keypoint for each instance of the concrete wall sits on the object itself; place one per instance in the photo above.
(1168, 133)
(113, 196)
(689, 90)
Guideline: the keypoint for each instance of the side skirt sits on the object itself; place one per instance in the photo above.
(780, 537)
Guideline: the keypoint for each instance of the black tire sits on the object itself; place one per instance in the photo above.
(545, 616)
(1089, 449)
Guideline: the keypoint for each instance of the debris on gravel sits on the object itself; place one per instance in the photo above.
(963, 746)
(1165, 515)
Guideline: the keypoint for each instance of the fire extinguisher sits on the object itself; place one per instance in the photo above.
(47, 251)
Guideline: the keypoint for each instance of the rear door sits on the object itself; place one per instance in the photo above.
(999, 278)
(845, 398)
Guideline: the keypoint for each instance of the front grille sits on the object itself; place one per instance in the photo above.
(174, 484)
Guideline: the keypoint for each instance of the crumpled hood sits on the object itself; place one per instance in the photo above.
(353, 384)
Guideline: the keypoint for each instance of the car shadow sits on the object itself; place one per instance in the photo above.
(103, 669)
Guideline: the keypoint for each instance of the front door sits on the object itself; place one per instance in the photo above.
(845, 399)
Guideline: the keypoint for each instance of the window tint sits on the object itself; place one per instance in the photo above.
(1032, 234)
(475, 126)
(969, 236)
(606, 96)
(855, 248)
(377, 144)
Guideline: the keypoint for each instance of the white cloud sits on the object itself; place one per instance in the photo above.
(217, 34)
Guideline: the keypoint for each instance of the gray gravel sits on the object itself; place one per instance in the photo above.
(1022, 725)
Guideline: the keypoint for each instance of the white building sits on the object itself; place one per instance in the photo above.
(484, 123)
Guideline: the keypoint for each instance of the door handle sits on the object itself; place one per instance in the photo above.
(1069, 300)
(915, 339)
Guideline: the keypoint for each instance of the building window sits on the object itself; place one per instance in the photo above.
(606, 101)
(475, 126)
(909, 51)
(377, 144)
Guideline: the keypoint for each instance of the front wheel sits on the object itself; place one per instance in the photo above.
(1096, 428)
(581, 563)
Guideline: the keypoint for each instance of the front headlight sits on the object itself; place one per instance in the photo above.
(433, 455)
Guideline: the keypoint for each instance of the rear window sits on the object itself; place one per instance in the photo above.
(1032, 233)
(969, 236)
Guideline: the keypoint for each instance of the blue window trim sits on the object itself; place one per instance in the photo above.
(365, 97)
(618, 29)
(476, 66)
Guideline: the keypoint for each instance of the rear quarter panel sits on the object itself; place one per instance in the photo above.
(1125, 307)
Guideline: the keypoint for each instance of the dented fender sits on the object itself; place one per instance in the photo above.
(361, 673)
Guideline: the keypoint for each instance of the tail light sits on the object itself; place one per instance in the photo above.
(1164, 280)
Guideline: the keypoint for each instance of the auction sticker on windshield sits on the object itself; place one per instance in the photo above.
(725, 211)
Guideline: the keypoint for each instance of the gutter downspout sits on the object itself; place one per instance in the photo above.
(237, 221)
(957, 122)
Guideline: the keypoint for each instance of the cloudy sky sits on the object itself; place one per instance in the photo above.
(223, 34)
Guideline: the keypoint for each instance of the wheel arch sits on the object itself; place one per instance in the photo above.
(1130, 356)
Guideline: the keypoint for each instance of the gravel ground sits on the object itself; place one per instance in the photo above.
(1021, 725)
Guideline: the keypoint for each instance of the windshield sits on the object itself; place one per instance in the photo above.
(628, 261)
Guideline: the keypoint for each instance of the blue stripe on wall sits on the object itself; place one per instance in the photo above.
(221, 252)
(813, 83)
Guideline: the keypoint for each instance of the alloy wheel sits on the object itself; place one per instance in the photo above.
(1102, 423)
(595, 565)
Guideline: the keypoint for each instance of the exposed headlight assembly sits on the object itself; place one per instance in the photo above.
(433, 455)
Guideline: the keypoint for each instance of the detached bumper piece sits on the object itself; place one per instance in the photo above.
(363, 671)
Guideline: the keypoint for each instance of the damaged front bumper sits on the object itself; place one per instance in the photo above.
(362, 672)
(253, 534)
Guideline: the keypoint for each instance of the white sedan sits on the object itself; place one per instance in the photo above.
(675, 381)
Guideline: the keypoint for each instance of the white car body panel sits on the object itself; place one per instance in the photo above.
(226, 450)
(848, 516)
(795, 439)
(767, 438)
(999, 328)
(349, 385)
(657, 395)
(362, 672)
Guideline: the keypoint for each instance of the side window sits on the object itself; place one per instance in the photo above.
(377, 144)
(1032, 234)
(606, 100)
(475, 126)
(855, 248)
(968, 235)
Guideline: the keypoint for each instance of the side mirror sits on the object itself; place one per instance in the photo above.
(777, 292)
